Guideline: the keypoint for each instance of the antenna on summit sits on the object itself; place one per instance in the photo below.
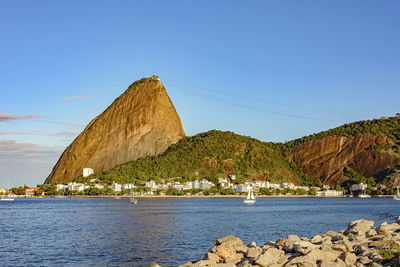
(155, 77)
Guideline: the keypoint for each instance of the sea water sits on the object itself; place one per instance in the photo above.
(169, 231)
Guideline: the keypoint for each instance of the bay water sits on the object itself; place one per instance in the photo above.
(169, 231)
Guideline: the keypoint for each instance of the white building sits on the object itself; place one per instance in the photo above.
(61, 187)
(286, 185)
(205, 184)
(72, 186)
(358, 187)
(195, 184)
(128, 186)
(242, 188)
(330, 193)
(116, 187)
(87, 172)
(99, 186)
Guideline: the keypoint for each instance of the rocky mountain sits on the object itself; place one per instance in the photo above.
(141, 122)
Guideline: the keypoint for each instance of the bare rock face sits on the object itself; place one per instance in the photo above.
(140, 122)
(324, 159)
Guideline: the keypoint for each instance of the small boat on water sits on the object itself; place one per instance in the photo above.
(250, 196)
(132, 197)
(363, 195)
(7, 198)
(397, 196)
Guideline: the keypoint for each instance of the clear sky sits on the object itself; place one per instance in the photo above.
(273, 70)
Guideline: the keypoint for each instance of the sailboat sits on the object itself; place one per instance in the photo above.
(8, 197)
(250, 196)
(132, 197)
(397, 196)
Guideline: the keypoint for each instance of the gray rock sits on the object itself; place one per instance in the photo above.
(365, 260)
(229, 241)
(302, 260)
(339, 247)
(359, 227)
(304, 247)
(252, 253)
(322, 256)
(348, 258)
(381, 243)
(269, 257)
(253, 244)
(212, 257)
(371, 233)
(293, 238)
(348, 244)
(317, 239)
(335, 263)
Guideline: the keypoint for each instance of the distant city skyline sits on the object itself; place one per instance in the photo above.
(272, 70)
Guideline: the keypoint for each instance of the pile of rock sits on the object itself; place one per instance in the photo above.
(359, 245)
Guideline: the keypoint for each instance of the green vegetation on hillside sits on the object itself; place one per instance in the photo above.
(356, 178)
(388, 127)
(209, 155)
(215, 153)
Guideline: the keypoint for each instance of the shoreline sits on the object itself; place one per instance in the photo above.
(361, 244)
(194, 196)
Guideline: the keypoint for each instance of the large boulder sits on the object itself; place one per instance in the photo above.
(269, 257)
(359, 227)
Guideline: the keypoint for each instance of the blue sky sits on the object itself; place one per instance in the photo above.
(273, 70)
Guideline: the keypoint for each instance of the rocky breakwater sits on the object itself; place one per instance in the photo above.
(361, 244)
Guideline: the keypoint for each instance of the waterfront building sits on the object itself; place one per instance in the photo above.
(73, 186)
(99, 186)
(196, 184)
(30, 191)
(205, 184)
(117, 187)
(358, 187)
(3, 191)
(330, 193)
(286, 185)
(128, 186)
(242, 188)
(274, 186)
(61, 187)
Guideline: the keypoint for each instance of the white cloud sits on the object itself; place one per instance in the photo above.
(74, 98)
(26, 163)
(6, 117)
(10, 150)
(63, 134)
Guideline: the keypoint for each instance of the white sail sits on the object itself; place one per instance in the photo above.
(250, 196)
(132, 197)
(398, 193)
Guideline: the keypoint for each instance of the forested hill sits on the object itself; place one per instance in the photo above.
(368, 147)
(211, 154)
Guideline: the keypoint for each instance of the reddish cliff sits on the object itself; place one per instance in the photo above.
(140, 122)
(324, 159)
